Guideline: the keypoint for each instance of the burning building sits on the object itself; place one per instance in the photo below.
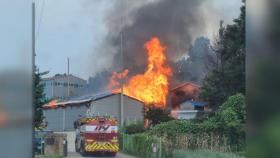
(151, 87)
(182, 93)
(185, 103)
(61, 115)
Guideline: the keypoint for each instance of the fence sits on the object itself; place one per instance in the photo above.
(147, 146)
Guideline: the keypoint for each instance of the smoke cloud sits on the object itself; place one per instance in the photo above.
(175, 22)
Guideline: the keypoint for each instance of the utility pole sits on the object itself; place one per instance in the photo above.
(33, 63)
(68, 88)
(122, 78)
(122, 81)
(68, 94)
(33, 38)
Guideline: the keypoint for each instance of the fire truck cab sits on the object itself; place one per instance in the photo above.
(96, 135)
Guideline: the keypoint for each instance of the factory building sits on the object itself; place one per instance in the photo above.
(60, 116)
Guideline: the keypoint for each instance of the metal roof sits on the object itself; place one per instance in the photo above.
(196, 103)
(85, 99)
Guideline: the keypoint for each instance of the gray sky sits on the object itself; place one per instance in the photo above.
(74, 29)
(69, 28)
(15, 35)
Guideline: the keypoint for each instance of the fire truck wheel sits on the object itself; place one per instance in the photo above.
(114, 154)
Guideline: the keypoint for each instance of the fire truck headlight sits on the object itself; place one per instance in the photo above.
(114, 140)
(89, 140)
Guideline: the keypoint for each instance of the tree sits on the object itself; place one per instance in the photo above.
(199, 61)
(231, 118)
(228, 76)
(39, 100)
(156, 115)
(137, 127)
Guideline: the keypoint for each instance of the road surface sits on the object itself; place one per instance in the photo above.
(77, 155)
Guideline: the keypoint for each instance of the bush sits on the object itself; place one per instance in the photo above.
(181, 126)
(138, 144)
(231, 118)
(171, 128)
(203, 154)
(232, 114)
(157, 115)
(224, 131)
(134, 128)
(228, 123)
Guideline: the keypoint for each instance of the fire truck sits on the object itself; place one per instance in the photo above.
(97, 135)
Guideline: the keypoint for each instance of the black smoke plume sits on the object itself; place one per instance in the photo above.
(175, 22)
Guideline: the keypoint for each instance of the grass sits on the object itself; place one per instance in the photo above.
(52, 156)
(203, 154)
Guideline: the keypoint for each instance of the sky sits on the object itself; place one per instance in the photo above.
(74, 29)
(15, 35)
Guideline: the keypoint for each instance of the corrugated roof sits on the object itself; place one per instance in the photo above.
(85, 99)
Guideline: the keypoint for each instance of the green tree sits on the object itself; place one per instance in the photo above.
(137, 127)
(231, 118)
(199, 62)
(39, 100)
(156, 115)
(228, 76)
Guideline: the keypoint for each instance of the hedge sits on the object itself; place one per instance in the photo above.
(137, 144)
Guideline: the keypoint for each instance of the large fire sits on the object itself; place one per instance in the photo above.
(152, 86)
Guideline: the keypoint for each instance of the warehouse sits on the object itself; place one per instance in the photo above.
(60, 115)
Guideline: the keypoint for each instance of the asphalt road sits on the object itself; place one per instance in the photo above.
(77, 155)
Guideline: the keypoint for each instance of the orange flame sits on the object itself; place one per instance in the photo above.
(152, 86)
(51, 104)
(113, 83)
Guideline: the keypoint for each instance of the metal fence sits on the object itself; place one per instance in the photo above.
(147, 146)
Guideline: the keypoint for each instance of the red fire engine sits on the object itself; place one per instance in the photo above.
(97, 135)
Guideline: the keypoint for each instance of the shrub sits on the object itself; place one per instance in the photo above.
(157, 115)
(138, 144)
(230, 119)
(228, 123)
(224, 131)
(134, 128)
(203, 154)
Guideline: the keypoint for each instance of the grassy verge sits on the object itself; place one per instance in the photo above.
(203, 154)
(52, 156)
